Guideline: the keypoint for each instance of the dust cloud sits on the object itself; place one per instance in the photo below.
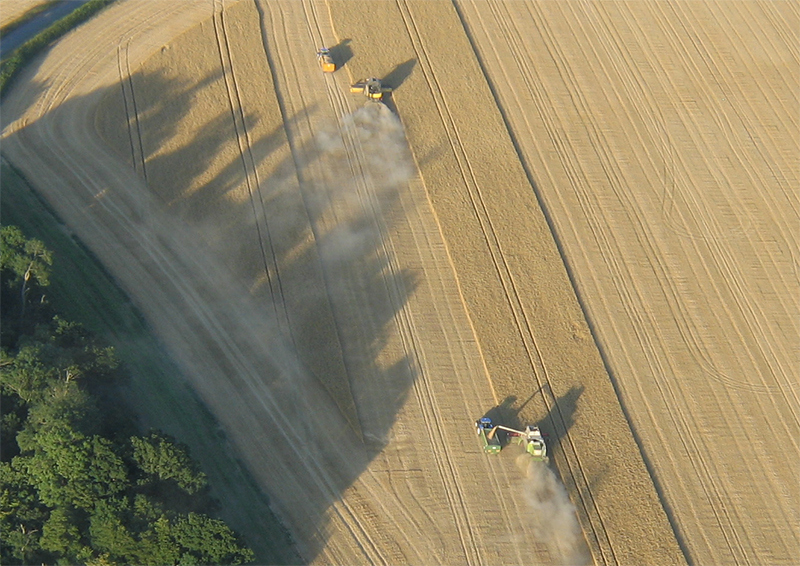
(375, 136)
(366, 161)
(555, 522)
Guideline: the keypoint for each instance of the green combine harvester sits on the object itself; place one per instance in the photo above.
(531, 437)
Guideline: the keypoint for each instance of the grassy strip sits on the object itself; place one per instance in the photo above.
(26, 17)
(24, 53)
(83, 291)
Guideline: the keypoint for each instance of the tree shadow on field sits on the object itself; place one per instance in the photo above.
(241, 243)
(18, 100)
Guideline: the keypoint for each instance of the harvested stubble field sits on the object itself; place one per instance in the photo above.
(348, 296)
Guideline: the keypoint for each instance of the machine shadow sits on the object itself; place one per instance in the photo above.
(394, 79)
(554, 426)
(341, 53)
(399, 74)
(561, 417)
(320, 310)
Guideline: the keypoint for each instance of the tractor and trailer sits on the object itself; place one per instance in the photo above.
(531, 437)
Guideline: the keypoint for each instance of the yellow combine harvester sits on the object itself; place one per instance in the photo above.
(325, 60)
(371, 88)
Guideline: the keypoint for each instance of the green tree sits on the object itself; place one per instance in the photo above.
(21, 515)
(159, 456)
(64, 405)
(26, 375)
(62, 537)
(209, 541)
(157, 544)
(75, 486)
(110, 536)
(71, 348)
(70, 470)
(28, 260)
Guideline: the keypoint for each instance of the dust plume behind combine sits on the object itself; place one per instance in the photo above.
(553, 514)
(368, 147)
(366, 162)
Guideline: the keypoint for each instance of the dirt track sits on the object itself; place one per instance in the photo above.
(347, 304)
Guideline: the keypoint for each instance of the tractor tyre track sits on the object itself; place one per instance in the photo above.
(131, 112)
(244, 144)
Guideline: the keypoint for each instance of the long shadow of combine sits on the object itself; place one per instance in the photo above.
(561, 417)
(341, 53)
(395, 79)
(399, 74)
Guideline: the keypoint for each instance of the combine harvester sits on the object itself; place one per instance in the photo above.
(371, 88)
(531, 437)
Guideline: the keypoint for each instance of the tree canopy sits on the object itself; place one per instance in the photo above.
(76, 487)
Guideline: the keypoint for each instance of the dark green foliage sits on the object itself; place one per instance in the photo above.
(24, 53)
(207, 541)
(24, 258)
(73, 489)
(72, 471)
(159, 457)
(25, 375)
(62, 537)
(25, 272)
(21, 515)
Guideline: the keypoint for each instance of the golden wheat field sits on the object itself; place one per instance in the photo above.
(581, 215)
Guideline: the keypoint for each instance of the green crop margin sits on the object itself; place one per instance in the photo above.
(10, 67)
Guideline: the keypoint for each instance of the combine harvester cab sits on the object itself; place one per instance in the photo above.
(487, 433)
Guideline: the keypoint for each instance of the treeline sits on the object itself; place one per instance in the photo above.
(78, 484)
